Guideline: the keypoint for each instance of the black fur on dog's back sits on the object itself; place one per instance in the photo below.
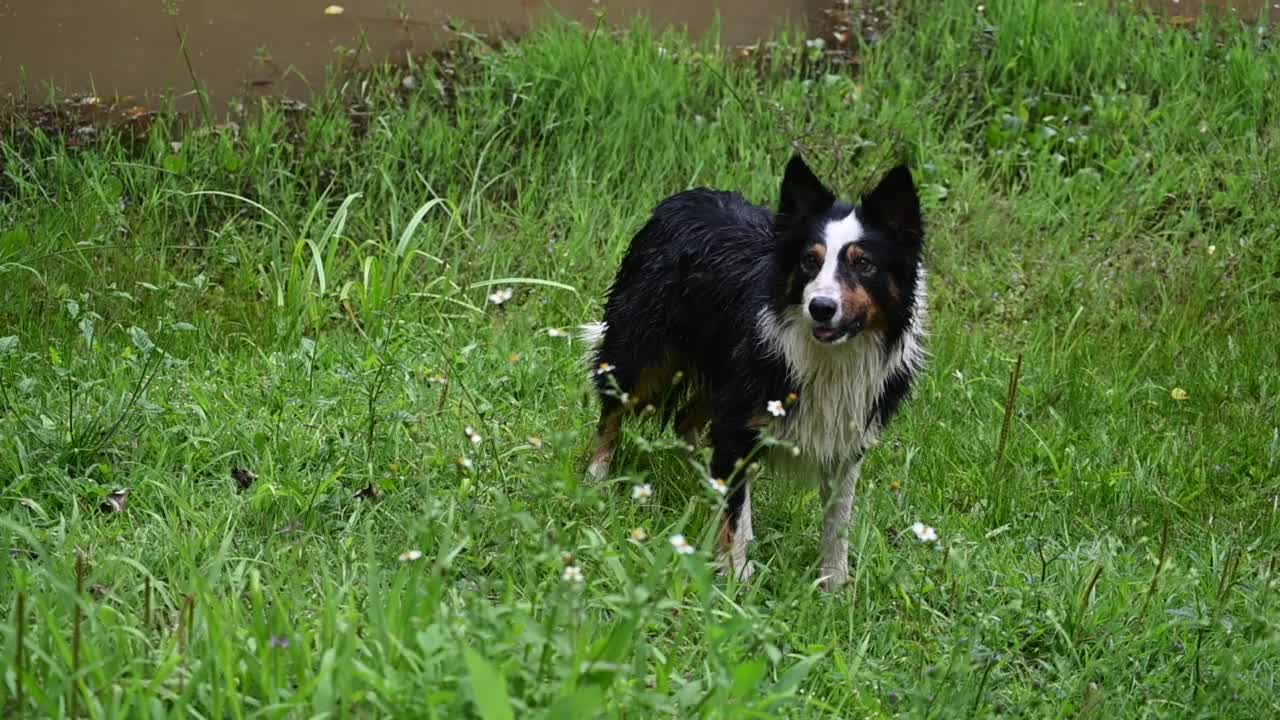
(689, 292)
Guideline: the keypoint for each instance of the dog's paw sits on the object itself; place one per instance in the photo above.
(598, 470)
(742, 569)
(832, 579)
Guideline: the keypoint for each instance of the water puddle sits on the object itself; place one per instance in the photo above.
(107, 48)
(132, 48)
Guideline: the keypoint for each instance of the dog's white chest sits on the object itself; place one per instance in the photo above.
(832, 422)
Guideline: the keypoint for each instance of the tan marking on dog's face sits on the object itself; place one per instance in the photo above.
(858, 302)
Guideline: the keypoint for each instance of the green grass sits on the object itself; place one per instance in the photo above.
(306, 299)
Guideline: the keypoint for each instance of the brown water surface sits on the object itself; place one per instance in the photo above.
(131, 47)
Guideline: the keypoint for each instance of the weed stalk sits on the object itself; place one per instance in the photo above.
(1155, 577)
(1084, 600)
(146, 604)
(19, 658)
(81, 570)
(1010, 397)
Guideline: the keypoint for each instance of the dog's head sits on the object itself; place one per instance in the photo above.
(849, 269)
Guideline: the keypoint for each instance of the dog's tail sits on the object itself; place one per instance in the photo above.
(593, 335)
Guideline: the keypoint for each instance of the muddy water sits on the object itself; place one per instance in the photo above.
(1187, 10)
(131, 47)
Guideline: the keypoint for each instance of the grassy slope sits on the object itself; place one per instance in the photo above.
(1103, 201)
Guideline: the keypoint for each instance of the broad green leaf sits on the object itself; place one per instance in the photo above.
(489, 688)
(141, 340)
(585, 702)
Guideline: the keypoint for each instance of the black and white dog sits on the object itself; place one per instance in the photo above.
(806, 324)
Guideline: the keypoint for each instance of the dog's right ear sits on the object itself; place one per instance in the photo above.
(803, 194)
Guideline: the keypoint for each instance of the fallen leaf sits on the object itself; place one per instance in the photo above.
(115, 502)
(1179, 394)
(243, 477)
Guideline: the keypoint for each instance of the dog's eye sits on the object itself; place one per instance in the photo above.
(864, 264)
(810, 263)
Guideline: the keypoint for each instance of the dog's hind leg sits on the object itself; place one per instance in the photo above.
(694, 416)
(606, 443)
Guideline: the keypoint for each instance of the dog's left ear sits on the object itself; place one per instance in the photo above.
(803, 194)
(895, 204)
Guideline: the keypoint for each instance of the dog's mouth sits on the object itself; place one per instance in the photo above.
(828, 335)
(832, 335)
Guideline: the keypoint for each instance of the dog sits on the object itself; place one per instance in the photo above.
(805, 325)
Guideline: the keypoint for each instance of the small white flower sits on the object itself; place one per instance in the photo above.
(681, 545)
(775, 408)
(473, 436)
(639, 535)
(334, 10)
(1213, 249)
(465, 463)
(719, 485)
(410, 555)
(572, 573)
(642, 492)
(604, 369)
(557, 333)
(498, 297)
(924, 533)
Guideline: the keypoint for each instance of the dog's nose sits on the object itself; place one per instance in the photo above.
(822, 309)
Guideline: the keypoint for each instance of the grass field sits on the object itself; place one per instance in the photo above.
(274, 336)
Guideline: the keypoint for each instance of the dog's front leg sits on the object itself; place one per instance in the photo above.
(839, 488)
(732, 446)
(735, 532)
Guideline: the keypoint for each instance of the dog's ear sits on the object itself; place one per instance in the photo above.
(803, 194)
(895, 204)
